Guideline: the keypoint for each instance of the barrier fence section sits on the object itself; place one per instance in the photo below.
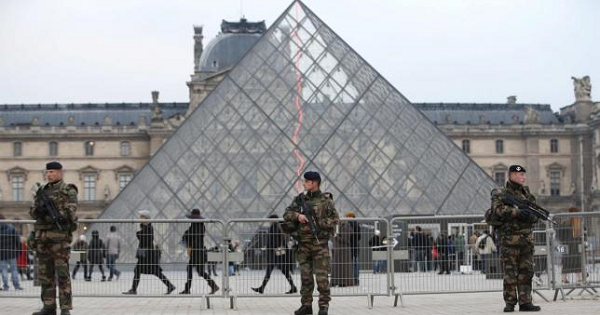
(267, 264)
(254, 258)
(139, 257)
(576, 261)
(446, 254)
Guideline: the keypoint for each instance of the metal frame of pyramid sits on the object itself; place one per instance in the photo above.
(302, 99)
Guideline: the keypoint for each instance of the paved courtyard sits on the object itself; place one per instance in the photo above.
(473, 303)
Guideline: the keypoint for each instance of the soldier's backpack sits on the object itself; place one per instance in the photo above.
(492, 218)
(483, 242)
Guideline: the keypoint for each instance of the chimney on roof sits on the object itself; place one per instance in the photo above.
(511, 99)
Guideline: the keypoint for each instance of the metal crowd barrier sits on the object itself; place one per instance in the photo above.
(369, 257)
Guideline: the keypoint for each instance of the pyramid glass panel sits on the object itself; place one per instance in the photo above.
(302, 99)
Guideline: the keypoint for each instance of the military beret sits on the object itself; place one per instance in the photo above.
(53, 166)
(516, 168)
(312, 176)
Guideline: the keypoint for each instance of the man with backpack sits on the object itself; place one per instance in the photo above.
(485, 246)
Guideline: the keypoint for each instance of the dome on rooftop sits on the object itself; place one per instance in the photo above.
(235, 39)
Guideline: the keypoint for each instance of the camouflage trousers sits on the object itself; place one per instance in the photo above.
(53, 264)
(314, 260)
(518, 273)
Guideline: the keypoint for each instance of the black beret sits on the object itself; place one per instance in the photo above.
(312, 176)
(53, 166)
(516, 168)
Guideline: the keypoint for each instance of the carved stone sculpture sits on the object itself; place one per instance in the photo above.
(582, 88)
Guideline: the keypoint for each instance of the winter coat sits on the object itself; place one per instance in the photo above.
(10, 242)
(147, 255)
(96, 251)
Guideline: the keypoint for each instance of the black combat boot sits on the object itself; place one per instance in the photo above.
(509, 308)
(304, 310)
(529, 308)
(65, 312)
(45, 311)
(323, 310)
(170, 288)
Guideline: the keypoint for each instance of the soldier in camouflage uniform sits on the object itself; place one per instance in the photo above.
(313, 252)
(516, 242)
(52, 245)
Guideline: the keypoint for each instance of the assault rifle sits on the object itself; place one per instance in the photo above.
(529, 207)
(48, 206)
(310, 215)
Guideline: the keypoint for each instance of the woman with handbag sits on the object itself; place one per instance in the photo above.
(193, 239)
(148, 256)
(277, 256)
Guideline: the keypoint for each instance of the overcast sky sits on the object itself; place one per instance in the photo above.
(431, 51)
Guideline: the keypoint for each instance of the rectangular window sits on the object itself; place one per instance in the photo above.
(53, 148)
(554, 183)
(466, 146)
(89, 148)
(499, 146)
(500, 178)
(18, 187)
(554, 146)
(17, 148)
(89, 187)
(124, 179)
(125, 148)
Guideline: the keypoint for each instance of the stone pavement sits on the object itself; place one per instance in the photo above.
(463, 303)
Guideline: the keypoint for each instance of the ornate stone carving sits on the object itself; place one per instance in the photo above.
(511, 99)
(107, 121)
(106, 193)
(35, 121)
(583, 89)
(157, 114)
(532, 116)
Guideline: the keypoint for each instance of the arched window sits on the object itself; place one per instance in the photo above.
(89, 148)
(125, 148)
(53, 148)
(499, 146)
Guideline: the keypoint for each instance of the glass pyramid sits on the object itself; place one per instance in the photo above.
(302, 99)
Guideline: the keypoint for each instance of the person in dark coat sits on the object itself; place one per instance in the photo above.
(148, 256)
(443, 253)
(278, 256)
(96, 253)
(193, 239)
(81, 246)
(342, 268)
(354, 245)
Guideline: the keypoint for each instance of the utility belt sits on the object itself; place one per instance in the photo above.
(53, 235)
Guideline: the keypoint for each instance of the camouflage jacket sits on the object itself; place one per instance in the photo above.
(65, 197)
(326, 217)
(512, 225)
